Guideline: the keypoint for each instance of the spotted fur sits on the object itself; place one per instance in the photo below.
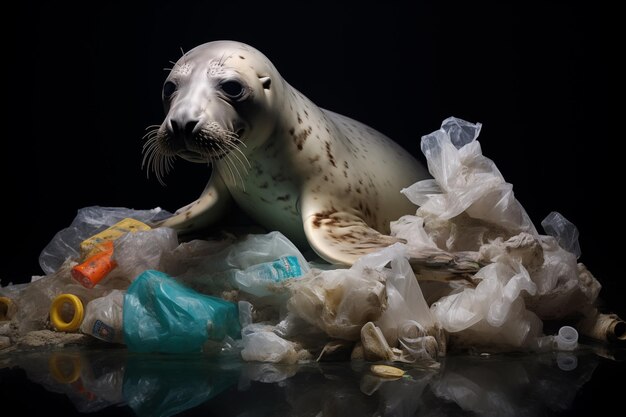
(319, 177)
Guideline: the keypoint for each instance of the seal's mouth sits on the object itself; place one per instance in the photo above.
(193, 156)
(210, 145)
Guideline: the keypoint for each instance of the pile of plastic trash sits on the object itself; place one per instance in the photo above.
(474, 272)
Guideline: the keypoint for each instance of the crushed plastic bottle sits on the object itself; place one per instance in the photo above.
(104, 317)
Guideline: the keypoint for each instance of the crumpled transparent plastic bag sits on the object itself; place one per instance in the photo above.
(226, 269)
(188, 255)
(493, 313)
(261, 344)
(162, 315)
(564, 287)
(259, 248)
(339, 301)
(465, 181)
(379, 287)
(137, 252)
(89, 221)
(33, 299)
(564, 231)
(405, 301)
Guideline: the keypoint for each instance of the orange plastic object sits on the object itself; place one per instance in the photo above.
(96, 267)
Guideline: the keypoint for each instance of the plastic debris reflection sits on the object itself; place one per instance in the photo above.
(168, 385)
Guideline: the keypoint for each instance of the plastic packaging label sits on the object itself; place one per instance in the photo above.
(279, 270)
(259, 279)
(103, 331)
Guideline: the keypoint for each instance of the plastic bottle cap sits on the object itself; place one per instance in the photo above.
(567, 338)
(55, 313)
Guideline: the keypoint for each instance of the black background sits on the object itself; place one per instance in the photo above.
(82, 82)
(85, 81)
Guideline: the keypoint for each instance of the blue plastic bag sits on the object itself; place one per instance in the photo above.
(161, 315)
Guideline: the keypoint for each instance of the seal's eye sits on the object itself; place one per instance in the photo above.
(168, 89)
(232, 88)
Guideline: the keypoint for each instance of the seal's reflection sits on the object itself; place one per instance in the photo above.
(167, 385)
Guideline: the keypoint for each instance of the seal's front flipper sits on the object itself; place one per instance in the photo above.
(340, 237)
(206, 210)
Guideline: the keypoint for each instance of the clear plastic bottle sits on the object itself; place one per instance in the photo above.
(104, 319)
(258, 279)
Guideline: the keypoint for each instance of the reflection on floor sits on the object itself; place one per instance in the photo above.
(99, 381)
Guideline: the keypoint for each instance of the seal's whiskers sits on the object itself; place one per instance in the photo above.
(154, 159)
(228, 163)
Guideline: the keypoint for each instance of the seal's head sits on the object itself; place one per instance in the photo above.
(218, 100)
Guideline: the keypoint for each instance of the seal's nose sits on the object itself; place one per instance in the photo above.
(183, 129)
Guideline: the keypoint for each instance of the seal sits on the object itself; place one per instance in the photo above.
(320, 178)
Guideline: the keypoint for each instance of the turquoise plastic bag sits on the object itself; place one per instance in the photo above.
(162, 315)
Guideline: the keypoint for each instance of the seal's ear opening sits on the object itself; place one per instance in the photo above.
(265, 81)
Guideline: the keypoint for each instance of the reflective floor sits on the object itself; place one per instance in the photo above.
(110, 381)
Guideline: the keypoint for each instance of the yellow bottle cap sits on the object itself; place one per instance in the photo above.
(55, 313)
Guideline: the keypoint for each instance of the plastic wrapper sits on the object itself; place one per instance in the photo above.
(89, 221)
(161, 315)
(104, 317)
(261, 344)
(466, 181)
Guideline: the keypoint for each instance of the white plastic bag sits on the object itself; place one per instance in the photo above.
(379, 287)
(339, 301)
(494, 313)
(465, 180)
(261, 344)
(405, 301)
(565, 288)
